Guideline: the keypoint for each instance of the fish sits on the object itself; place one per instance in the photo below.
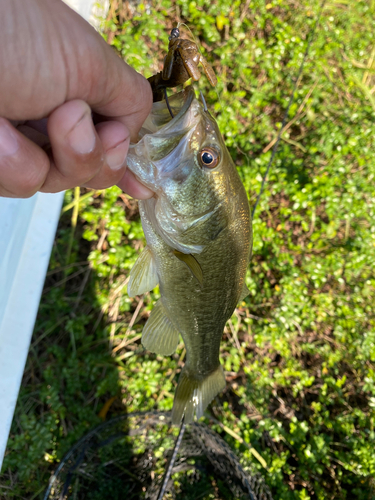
(199, 242)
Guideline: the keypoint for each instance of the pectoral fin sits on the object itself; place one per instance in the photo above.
(192, 263)
(244, 292)
(143, 276)
(159, 335)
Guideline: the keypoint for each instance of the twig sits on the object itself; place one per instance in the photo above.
(77, 196)
(81, 288)
(50, 330)
(113, 315)
(244, 10)
(293, 120)
(294, 143)
(64, 280)
(229, 431)
(365, 90)
(112, 297)
(131, 341)
(366, 76)
(235, 338)
(298, 327)
(74, 264)
(356, 63)
(132, 321)
(101, 239)
(82, 198)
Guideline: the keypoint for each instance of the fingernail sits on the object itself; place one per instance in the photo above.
(116, 156)
(82, 137)
(8, 141)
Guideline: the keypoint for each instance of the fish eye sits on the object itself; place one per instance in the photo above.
(209, 157)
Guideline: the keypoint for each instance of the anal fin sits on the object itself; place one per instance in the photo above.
(194, 393)
(159, 334)
(143, 276)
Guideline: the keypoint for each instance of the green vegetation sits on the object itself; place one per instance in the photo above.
(299, 352)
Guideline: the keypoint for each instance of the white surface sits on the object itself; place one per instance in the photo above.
(83, 7)
(27, 230)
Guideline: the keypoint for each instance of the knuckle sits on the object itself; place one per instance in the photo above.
(32, 179)
(22, 180)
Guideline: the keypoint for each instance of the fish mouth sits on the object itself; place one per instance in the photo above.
(161, 118)
(163, 148)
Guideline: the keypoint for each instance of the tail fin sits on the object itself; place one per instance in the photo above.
(193, 394)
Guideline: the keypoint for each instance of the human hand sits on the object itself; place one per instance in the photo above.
(55, 70)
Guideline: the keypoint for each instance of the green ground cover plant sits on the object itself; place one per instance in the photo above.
(299, 352)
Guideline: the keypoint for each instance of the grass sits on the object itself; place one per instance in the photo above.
(299, 352)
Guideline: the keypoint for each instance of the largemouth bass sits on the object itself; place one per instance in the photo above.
(199, 240)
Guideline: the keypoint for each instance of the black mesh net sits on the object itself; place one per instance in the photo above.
(126, 458)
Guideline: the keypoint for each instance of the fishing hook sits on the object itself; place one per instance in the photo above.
(204, 102)
(166, 100)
